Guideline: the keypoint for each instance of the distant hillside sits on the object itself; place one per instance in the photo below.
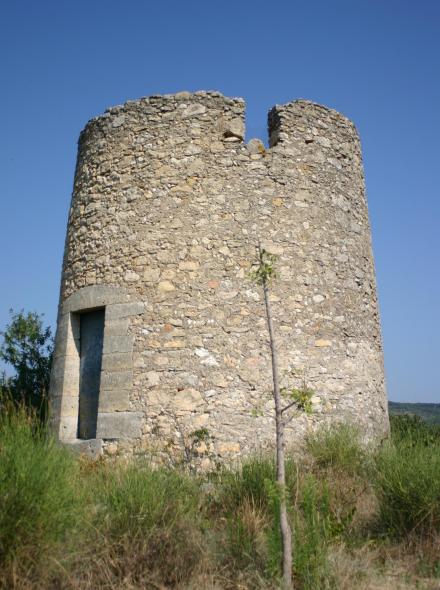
(429, 412)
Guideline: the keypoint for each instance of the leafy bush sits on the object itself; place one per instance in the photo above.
(27, 346)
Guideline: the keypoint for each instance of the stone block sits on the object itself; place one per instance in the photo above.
(68, 428)
(156, 398)
(322, 343)
(234, 128)
(153, 378)
(94, 296)
(151, 275)
(119, 424)
(72, 347)
(55, 404)
(189, 265)
(91, 448)
(69, 405)
(117, 344)
(117, 361)
(165, 286)
(123, 310)
(117, 327)
(116, 380)
(65, 373)
(227, 448)
(193, 110)
(187, 400)
(63, 330)
(114, 400)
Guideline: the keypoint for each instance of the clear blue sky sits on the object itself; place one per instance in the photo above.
(377, 61)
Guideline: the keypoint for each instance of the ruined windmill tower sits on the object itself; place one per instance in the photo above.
(161, 344)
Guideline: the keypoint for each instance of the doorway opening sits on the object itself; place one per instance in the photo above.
(91, 332)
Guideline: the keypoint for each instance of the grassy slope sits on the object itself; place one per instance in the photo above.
(429, 412)
(362, 518)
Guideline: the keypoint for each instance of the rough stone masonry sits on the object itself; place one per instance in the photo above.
(168, 205)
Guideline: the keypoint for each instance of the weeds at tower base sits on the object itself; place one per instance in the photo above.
(361, 518)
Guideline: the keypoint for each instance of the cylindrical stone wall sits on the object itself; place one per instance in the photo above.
(168, 206)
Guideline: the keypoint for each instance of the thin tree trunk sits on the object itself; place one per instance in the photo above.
(286, 533)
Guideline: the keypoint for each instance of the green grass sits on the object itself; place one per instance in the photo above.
(40, 503)
(407, 478)
(245, 502)
(151, 520)
(72, 524)
(312, 535)
(412, 429)
(338, 447)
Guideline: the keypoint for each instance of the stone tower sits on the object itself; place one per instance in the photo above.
(162, 344)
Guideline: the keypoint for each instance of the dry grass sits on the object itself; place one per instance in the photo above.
(388, 567)
(128, 526)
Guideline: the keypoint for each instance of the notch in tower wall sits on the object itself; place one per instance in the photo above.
(305, 120)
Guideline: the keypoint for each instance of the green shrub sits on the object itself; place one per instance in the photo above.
(151, 522)
(39, 501)
(69, 523)
(313, 529)
(337, 446)
(248, 501)
(245, 547)
(253, 541)
(254, 482)
(413, 430)
(245, 504)
(27, 347)
(407, 482)
(248, 484)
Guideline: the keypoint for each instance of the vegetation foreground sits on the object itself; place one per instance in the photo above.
(361, 518)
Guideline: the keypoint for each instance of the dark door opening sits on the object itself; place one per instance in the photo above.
(91, 342)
